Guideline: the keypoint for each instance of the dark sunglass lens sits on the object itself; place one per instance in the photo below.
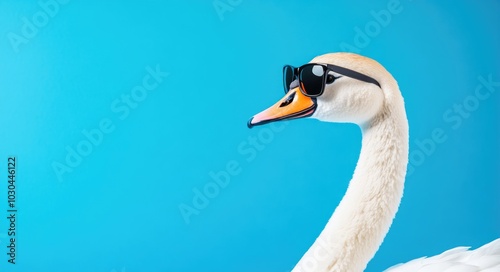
(312, 78)
(287, 77)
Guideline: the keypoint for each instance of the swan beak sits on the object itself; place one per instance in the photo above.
(292, 106)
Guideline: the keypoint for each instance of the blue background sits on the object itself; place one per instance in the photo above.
(118, 210)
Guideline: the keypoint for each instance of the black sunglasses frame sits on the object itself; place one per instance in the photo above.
(326, 67)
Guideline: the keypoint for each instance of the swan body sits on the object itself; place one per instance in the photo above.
(484, 259)
(360, 222)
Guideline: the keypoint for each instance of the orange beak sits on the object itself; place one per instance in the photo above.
(292, 106)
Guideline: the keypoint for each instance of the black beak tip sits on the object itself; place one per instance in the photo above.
(249, 123)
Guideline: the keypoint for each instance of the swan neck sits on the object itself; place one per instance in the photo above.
(363, 217)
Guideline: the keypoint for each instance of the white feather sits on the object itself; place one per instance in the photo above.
(363, 217)
(484, 259)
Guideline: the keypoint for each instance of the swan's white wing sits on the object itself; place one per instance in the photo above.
(460, 259)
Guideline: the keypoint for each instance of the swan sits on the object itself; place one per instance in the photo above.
(361, 91)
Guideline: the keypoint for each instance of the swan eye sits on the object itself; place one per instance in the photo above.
(330, 79)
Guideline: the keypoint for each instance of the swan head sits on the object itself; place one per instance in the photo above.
(352, 93)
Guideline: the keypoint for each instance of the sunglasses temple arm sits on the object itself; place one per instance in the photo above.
(352, 74)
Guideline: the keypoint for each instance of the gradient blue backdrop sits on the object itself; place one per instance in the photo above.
(118, 210)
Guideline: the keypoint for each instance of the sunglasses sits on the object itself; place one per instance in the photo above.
(313, 77)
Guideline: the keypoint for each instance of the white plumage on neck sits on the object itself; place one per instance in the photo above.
(359, 224)
(361, 220)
